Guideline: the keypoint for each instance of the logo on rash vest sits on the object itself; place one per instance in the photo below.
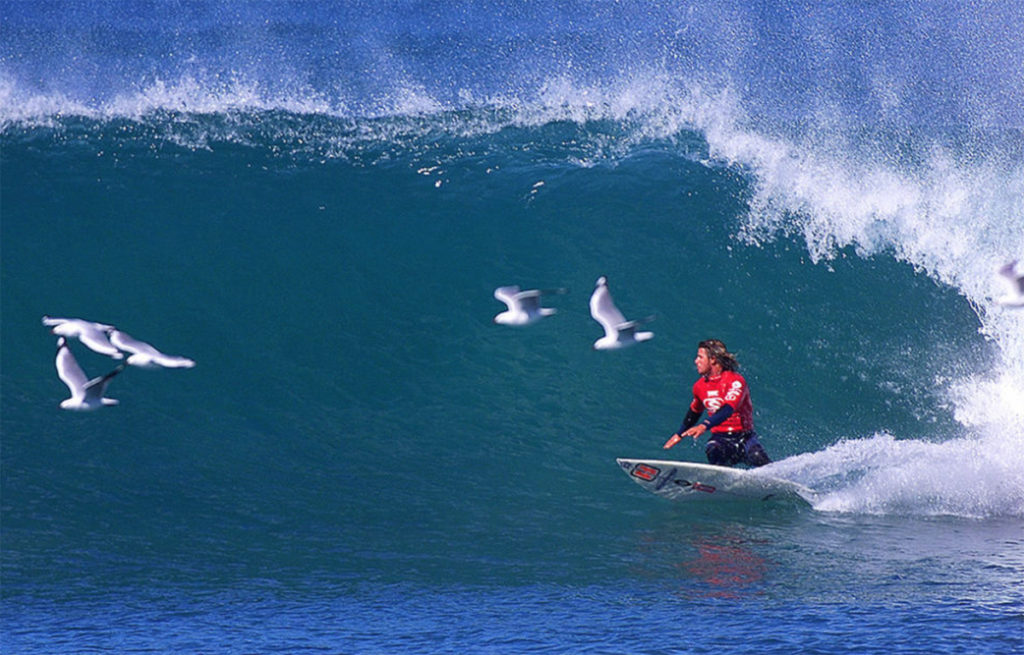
(713, 404)
(734, 393)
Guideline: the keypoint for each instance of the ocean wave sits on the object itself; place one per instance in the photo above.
(948, 201)
(932, 196)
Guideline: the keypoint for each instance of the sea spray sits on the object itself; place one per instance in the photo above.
(880, 474)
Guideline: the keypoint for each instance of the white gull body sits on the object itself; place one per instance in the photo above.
(618, 332)
(86, 394)
(523, 306)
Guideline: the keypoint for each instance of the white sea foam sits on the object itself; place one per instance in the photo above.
(880, 474)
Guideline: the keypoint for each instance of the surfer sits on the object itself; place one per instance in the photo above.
(723, 393)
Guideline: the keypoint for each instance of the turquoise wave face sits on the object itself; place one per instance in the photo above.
(348, 371)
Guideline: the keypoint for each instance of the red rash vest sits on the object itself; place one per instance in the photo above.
(730, 388)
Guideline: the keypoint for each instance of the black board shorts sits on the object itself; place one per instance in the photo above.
(730, 449)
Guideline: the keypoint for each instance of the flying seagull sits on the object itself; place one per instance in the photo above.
(523, 306)
(144, 355)
(1015, 281)
(93, 335)
(86, 395)
(618, 332)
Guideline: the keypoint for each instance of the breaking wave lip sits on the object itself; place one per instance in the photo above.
(195, 113)
(188, 94)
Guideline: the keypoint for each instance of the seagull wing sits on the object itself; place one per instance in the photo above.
(145, 354)
(51, 321)
(508, 295)
(629, 328)
(529, 300)
(128, 343)
(173, 361)
(96, 339)
(97, 387)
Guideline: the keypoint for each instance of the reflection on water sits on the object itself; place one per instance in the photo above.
(727, 567)
(703, 558)
(790, 553)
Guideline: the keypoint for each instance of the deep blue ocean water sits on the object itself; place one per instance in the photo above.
(315, 201)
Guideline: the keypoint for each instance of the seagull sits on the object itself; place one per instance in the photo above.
(1015, 280)
(91, 334)
(618, 332)
(144, 355)
(86, 395)
(523, 306)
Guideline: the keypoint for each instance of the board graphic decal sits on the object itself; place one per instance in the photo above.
(645, 472)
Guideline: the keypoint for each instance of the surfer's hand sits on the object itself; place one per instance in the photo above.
(673, 440)
(695, 431)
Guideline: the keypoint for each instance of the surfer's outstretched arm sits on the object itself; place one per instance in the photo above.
(717, 418)
(688, 422)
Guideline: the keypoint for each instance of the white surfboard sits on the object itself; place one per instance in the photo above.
(692, 481)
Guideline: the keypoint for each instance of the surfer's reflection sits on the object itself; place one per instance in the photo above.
(726, 566)
(708, 561)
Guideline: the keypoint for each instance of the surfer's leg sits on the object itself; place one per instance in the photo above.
(723, 451)
(753, 452)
